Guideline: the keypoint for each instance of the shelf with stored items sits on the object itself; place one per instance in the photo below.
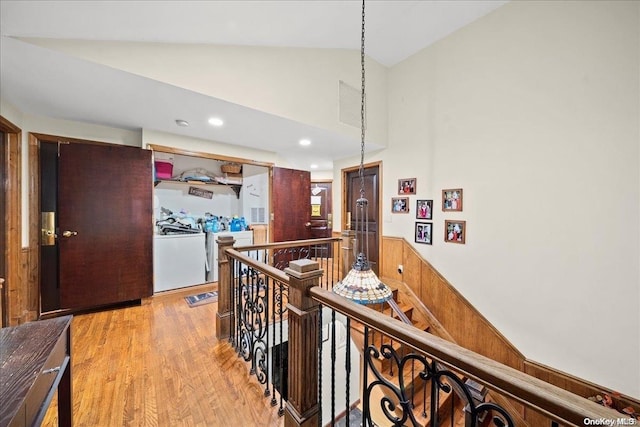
(236, 187)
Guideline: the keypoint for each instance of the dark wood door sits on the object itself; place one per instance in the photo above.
(321, 215)
(105, 234)
(371, 188)
(291, 204)
(49, 283)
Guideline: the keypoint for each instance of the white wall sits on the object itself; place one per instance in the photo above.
(534, 111)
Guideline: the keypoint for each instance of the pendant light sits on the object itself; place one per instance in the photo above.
(361, 285)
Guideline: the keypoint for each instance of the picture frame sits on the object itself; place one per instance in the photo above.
(455, 231)
(407, 186)
(452, 200)
(399, 205)
(424, 209)
(424, 233)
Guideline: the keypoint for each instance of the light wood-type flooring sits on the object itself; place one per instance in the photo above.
(159, 364)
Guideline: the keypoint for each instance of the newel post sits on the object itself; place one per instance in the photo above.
(223, 316)
(302, 405)
(348, 250)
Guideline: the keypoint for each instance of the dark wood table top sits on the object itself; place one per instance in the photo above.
(24, 350)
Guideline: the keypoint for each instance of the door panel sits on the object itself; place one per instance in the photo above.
(291, 204)
(105, 210)
(321, 216)
(371, 194)
(291, 211)
(49, 291)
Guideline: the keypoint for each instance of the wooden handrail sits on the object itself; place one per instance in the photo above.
(289, 244)
(556, 403)
(257, 265)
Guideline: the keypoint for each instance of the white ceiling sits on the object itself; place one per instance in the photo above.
(94, 93)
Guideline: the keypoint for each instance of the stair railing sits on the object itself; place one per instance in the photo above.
(559, 405)
(253, 291)
(255, 295)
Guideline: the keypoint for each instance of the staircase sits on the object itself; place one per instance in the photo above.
(416, 389)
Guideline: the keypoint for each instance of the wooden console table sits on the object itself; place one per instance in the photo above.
(35, 360)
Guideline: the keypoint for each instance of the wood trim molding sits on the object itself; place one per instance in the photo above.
(220, 157)
(16, 295)
(66, 140)
(7, 127)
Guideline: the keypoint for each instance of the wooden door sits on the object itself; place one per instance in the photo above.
(105, 234)
(321, 215)
(371, 189)
(291, 205)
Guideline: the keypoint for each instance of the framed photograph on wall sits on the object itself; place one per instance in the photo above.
(452, 200)
(407, 186)
(399, 205)
(423, 232)
(455, 231)
(424, 209)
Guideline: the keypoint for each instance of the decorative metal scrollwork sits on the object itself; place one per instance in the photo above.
(282, 257)
(252, 312)
(397, 402)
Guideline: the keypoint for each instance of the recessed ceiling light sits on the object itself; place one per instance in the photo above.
(314, 166)
(305, 141)
(182, 123)
(216, 121)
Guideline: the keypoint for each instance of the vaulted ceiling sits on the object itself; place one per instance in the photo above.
(37, 80)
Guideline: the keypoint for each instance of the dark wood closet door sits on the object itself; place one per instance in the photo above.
(291, 201)
(105, 234)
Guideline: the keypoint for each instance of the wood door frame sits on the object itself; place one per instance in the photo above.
(343, 201)
(182, 152)
(15, 301)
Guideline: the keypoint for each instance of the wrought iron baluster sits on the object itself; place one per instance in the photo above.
(333, 367)
(274, 401)
(320, 342)
(266, 328)
(366, 414)
(347, 369)
(280, 310)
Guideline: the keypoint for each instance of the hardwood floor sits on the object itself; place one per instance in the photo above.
(160, 364)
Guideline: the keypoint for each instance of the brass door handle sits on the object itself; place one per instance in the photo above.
(68, 233)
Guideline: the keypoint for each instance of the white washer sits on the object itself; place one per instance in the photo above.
(178, 261)
(243, 238)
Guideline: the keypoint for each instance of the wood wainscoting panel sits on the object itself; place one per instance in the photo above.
(391, 248)
(412, 270)
(575, 385)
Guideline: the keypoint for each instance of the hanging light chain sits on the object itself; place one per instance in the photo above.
(362, 207)
(362, 96)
